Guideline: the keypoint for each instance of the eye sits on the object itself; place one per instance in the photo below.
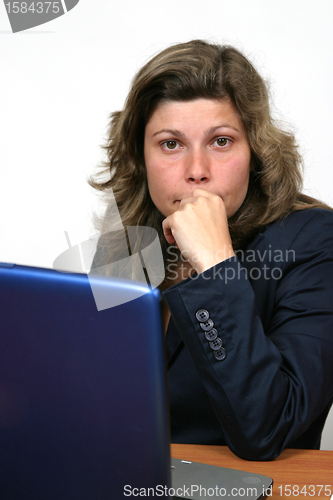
(170, 144)
(222, 141)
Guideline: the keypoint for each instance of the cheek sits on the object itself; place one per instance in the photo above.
(154, 175)
(160, 174)
(152, 170)
(157, 182)
(152, 183)
(244, 177)
(238, 176)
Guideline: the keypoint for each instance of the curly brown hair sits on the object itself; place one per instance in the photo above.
(184, 72)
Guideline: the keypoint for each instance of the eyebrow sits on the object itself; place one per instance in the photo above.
(224, 125)
(211, 130)
(176, 133)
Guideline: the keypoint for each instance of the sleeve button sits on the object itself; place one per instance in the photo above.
(207, 325)
(202, 315)
(216, 344)
(220, 354)
(211, 334)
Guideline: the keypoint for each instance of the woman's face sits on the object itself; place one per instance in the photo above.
(200, 143)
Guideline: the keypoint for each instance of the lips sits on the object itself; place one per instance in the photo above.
(189, 195)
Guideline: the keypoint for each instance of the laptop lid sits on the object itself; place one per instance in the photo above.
(82, 391)
(198, 481)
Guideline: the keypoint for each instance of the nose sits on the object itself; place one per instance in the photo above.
(197, 168)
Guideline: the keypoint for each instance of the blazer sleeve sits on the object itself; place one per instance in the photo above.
(275, 379)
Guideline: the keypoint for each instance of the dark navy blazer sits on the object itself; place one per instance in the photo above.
(270, 385)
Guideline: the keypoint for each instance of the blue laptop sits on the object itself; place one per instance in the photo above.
(75, 424)
(83, 399)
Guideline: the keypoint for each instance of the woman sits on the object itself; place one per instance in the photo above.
(248, 289)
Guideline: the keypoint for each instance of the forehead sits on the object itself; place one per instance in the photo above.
(201, 111)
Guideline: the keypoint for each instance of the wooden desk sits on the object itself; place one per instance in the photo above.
(293, 470)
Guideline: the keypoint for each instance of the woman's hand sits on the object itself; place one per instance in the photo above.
(200, 230)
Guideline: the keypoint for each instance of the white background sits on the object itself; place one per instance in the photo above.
(60, 81)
